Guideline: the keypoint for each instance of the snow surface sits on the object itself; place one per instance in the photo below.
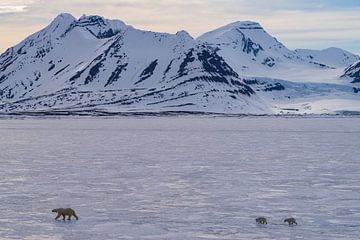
(180, 178)
(334, 57)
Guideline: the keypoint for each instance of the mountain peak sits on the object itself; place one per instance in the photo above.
(184, 34)
(65, 16)
(244, 25)
(63, 20)
(336, 50)
(91, 18)
(101, 21)
(334, 57)
(56, 28)
(98, 26)
(248, 36)
(232, 29)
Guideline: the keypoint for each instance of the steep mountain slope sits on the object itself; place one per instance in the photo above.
(92, 63)
(353, 73)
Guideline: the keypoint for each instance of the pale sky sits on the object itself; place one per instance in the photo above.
(315, 24)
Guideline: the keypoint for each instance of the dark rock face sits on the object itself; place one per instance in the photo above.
(147, 71)
(269, 61)
(353, 72)
(215, 64)
(274, 87)
(115, 76)
(249, 46)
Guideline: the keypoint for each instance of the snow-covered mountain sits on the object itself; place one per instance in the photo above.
(251, 51)
(333, 57)
(248, 46)
(92, 63)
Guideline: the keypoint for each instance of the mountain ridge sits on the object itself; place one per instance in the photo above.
(92, 62)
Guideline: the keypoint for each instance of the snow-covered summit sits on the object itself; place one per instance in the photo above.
(248, 48)
(253, 37)
(63, 18)
(184, 34)
(227, 29)
(246, 25)
(251, 51)
(334, 57)
(99, 26)
(57, 27)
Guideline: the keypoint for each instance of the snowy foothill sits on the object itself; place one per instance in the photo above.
(180, 177)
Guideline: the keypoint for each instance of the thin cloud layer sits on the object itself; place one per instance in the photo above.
(298, 24)
(12, 9)
(15, 6)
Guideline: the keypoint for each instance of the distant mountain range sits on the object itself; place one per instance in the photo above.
(95, 64)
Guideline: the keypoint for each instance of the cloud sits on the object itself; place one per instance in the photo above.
(14, 6)
(12, 9)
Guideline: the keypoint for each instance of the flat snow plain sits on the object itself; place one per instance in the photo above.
(180, 177)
